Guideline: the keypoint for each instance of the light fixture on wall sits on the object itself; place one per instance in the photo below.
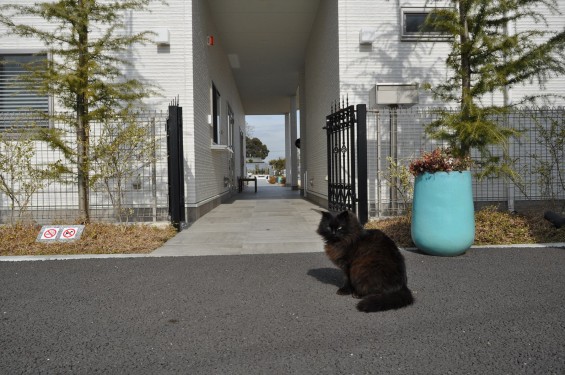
(162, 37)
(367, 36)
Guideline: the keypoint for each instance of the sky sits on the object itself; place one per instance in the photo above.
(270, 130)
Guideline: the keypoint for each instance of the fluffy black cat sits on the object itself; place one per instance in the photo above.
(373, 266)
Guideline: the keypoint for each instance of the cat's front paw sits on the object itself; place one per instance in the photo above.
(343, 291)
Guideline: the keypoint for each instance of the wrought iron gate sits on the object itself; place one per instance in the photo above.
(175, 164)
(347, 160)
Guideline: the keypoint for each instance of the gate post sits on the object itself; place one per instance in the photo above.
(362, 196)
(175, 159)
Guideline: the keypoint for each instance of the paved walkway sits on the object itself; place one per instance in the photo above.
(272, 221)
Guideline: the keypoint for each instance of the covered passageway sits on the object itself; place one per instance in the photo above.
(265, 42)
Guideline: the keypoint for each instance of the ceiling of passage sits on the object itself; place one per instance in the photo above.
(265, 41)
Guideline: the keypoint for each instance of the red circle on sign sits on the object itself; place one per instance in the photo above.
(68, 233)
(50, 233)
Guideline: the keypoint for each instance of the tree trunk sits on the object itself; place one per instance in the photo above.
(466, 98)
(82, 117)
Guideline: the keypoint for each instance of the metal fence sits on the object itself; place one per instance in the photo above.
(397, 136)
(128, 173)
(139, 193)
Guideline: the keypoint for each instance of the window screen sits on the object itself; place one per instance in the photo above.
(18, 97)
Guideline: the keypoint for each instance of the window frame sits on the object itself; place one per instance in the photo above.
(420, 36)
(46, 101)
(230, 125)
(216, 115)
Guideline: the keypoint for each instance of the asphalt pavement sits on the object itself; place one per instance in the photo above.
(489, 311)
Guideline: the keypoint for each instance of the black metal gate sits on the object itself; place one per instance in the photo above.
(175, 164)
(347, 160)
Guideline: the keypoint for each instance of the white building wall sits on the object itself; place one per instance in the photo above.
(168, 68)
(13, 44)
(554, 85)
(391, 60)
(185, 69)
(171, 67)
(163, 66)
(388, 59)
(321, 88)
(212, 168)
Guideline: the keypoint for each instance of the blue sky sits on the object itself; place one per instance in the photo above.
(270, 130)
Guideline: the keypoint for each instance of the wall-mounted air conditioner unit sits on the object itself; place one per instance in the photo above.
(393, 94)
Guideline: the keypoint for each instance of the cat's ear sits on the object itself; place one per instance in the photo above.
(326, 215)
(344, 215)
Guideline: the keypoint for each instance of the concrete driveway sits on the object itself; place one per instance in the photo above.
(490, 311)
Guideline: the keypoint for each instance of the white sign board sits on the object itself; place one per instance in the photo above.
(60, 233)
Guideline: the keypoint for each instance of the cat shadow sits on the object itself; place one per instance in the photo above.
(331, 276)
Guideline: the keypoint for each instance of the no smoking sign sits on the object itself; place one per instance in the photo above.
(60, 233)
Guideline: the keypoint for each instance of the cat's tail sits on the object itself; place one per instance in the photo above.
(380, 302)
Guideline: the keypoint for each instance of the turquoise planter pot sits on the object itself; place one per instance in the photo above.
(443, 215)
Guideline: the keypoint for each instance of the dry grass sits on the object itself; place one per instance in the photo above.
(491, 228)
(96, 239)
(397, 228)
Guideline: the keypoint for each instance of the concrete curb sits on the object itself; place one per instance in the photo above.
(27, 258)
(533, 245)
(512, 246)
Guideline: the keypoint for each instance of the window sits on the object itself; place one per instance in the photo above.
(16, 96)
(414, 27)
(215, 115)
(231, 124)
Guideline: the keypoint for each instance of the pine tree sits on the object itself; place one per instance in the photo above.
(88, 42)
(489, 57)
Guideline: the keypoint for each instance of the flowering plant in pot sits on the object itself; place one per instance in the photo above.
(439, 160)
(443, 221)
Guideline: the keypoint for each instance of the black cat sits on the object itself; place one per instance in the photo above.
(373, 266)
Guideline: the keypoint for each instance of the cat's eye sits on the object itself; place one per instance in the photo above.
(339, 228)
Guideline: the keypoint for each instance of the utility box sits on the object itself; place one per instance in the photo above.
(162, 36)
(393, 94)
